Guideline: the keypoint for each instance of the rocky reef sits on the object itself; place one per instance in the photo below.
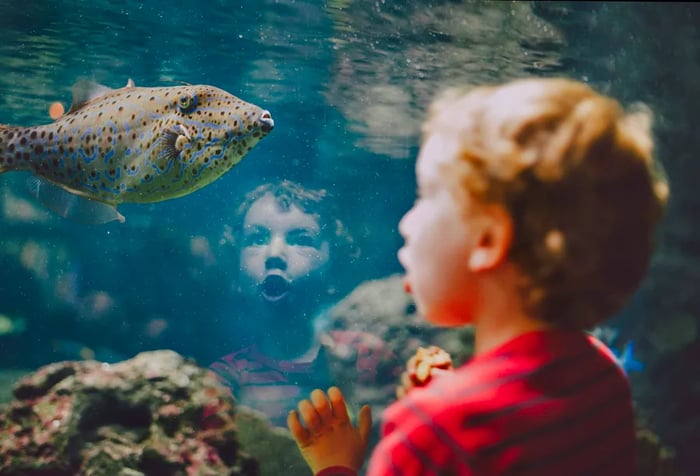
(154, 414)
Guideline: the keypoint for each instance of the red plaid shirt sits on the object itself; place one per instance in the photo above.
(546, 403)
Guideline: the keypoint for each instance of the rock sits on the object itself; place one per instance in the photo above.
(154, 414)
(274, 448)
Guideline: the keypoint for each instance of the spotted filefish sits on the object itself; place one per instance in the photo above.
(132, 145)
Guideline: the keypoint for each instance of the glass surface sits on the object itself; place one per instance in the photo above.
(347, 83)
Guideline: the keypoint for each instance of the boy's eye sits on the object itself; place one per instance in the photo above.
(256, 238)
(302, 239)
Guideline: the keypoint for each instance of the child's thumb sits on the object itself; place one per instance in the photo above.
(364, 423)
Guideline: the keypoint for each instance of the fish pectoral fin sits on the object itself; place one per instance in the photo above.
(72, 206)
(171, 142)
(85, 91)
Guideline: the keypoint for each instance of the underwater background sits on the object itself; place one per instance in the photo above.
(347, 82)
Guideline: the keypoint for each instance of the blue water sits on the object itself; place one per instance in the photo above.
(347, 82)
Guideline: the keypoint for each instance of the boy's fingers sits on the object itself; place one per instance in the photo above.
(308, 413)
(300, 434)
(364, 423)
(340, 411)
(320, 403)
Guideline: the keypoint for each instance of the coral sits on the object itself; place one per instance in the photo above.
(154, 414)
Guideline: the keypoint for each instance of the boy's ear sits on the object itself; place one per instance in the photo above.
(494, 234)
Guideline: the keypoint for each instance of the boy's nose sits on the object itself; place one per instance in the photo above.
(275, 262)
(403, 224)
(276, 258)
(276, 247)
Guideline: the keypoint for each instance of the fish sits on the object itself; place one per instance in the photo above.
(132, 145)
(626, 360)
(624, 357)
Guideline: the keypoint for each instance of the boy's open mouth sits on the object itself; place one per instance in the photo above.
(274, 287)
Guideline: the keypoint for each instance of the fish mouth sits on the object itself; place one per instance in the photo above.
(274, 287)
(266, 121)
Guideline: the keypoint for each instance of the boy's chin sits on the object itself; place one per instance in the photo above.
(447, 318)
(275, 298)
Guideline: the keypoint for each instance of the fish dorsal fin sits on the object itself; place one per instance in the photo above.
(130, 83)
(85, 91)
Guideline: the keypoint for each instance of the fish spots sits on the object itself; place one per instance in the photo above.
(133, 170)
(113, 174)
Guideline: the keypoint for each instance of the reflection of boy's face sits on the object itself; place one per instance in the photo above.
(282, 250)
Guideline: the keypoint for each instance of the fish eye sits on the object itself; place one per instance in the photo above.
(186, 103)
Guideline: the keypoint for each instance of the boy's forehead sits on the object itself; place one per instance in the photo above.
(266, 211)
(437, 151)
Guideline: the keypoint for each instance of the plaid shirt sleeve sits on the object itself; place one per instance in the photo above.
(413, 443)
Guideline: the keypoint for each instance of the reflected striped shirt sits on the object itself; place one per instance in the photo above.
(272, 386)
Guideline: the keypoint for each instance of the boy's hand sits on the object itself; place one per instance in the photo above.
(329, 438)
(421, 368)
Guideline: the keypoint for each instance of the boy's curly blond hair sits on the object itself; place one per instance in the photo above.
(579, 179)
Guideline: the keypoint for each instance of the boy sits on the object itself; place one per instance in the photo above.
(535, 220)
(287, 239)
